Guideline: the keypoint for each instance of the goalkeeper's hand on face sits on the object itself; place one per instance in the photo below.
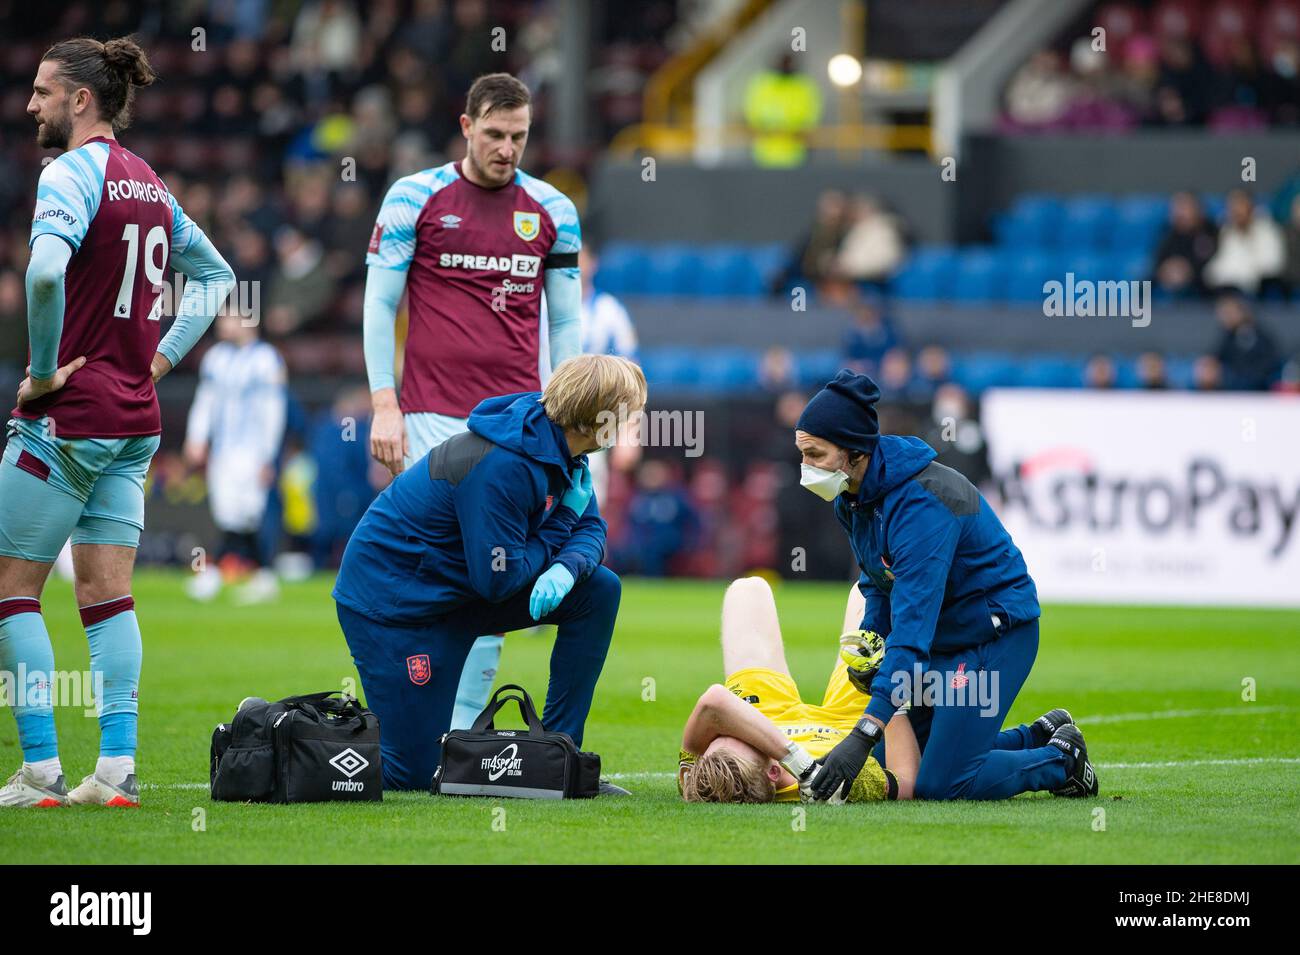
(862, 652)
(836, 771)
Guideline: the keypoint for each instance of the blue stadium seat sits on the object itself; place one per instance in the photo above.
(977, 371)
(623, 268)
(767, 262)
(727, 369)
(1032, 221)
(1134, 266)
(814, 368)
(720, 270)
(671, 269)
(979, 276)
(927, 275)
(1214, 204)
(1139, 222)
(670, 366)
(1088, 222)
(1050, 371)
(1180, 371)
(1092, 266)
(1027, 271)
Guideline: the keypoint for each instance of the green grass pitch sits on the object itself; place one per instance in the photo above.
(1190, 773)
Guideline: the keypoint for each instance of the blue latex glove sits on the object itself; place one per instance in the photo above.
(550, 589)
(578, 496)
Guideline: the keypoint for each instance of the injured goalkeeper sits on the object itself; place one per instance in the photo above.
(753, 739)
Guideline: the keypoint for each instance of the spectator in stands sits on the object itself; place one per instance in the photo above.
(813, 259)
(873, 247)
(1099, 372)
(1184, 86)
(1041, 92)
(871, 335)
(1134, 87)
(1152, 375)
(1207, 374)
(1289, 379)
(1251, 249)
(13, 320)
(661, 522)
(933, 369)
(781, 106)
(1240, 81)
(955, 434)
(1187, 245)
(301, 288)
(1248, 353)
(776, 369)
(1291, 270)
(1280, 84)
(898, 375)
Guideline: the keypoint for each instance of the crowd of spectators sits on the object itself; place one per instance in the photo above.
(1223, 64)
(279, 126)
(854, 241)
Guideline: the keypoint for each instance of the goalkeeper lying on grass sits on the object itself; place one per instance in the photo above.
(749, 740)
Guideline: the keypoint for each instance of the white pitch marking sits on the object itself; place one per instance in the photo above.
(1248, 710)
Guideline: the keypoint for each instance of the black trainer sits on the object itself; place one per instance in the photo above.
(1081, 778)
(607, 788)
(1046, 725)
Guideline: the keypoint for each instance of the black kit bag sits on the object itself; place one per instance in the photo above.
(310, 748)
(523, 764)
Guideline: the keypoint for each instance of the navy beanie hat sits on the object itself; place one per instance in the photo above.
(844, 412)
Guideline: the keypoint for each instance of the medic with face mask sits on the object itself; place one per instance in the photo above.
(948, 590)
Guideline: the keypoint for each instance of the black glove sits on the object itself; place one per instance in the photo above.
(841, 766)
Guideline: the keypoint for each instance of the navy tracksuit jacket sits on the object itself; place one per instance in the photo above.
(451, 550)
(948, 589)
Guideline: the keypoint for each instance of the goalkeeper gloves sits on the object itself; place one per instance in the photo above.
(862, 652)
(802, 767)
(841, 766)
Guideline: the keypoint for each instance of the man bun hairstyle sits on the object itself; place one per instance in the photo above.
(110, 70)
(494, 91)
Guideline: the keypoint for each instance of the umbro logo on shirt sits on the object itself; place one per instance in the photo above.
(450, 221)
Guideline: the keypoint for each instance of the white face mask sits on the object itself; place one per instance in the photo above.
(825, 484)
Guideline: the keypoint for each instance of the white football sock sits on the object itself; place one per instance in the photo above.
(43, 772)
(115, 769)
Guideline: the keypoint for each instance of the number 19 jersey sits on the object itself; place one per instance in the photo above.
(123, 227)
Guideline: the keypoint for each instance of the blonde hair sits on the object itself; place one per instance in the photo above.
(724, 776)
(587, 391)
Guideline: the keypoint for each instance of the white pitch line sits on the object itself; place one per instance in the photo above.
(1083, 721)
(1248, 710)
(1170, 764)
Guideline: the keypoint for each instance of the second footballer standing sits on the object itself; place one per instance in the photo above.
(473, 244)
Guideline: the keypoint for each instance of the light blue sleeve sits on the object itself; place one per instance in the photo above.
(384, 289)
(563, 313)
(210, 281)
(184, 231)
(392, 243)
(68, 194)
(45, 300)
(568, 233)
